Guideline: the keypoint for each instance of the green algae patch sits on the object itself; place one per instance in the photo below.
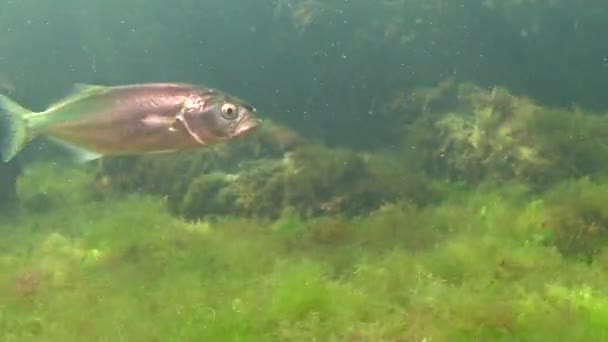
(485, 263)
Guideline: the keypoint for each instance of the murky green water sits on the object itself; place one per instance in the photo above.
(426, 171)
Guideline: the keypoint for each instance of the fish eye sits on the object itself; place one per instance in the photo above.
(229, 111)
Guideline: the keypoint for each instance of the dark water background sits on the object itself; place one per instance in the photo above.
(335, 72)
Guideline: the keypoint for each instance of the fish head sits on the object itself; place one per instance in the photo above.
(214, 117)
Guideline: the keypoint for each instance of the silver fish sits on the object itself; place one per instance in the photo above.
(129, 119)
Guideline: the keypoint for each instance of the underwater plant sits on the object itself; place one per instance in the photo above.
(576, 218)
(474, 266)
(276, 170)
(465, 133)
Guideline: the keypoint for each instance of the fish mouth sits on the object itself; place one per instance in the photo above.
(247, 125)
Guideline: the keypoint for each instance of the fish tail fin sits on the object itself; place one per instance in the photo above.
(13, 128)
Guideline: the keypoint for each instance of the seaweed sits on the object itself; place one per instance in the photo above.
(276, 173)
(476, 265)
(493, 135)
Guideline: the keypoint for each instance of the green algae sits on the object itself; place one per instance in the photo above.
(464, 133)
(311, 178)
(470, 267)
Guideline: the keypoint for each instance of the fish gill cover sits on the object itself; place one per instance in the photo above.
(426, 171)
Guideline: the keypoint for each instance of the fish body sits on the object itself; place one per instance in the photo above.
(129, 119)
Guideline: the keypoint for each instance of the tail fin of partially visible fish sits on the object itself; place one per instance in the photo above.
(13, 128)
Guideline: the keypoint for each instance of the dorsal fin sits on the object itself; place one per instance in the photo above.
(87, 88)
(79, 91)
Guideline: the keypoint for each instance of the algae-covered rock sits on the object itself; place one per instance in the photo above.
(494, 135)
(315, 180)
(265, 175)
(185, 178)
